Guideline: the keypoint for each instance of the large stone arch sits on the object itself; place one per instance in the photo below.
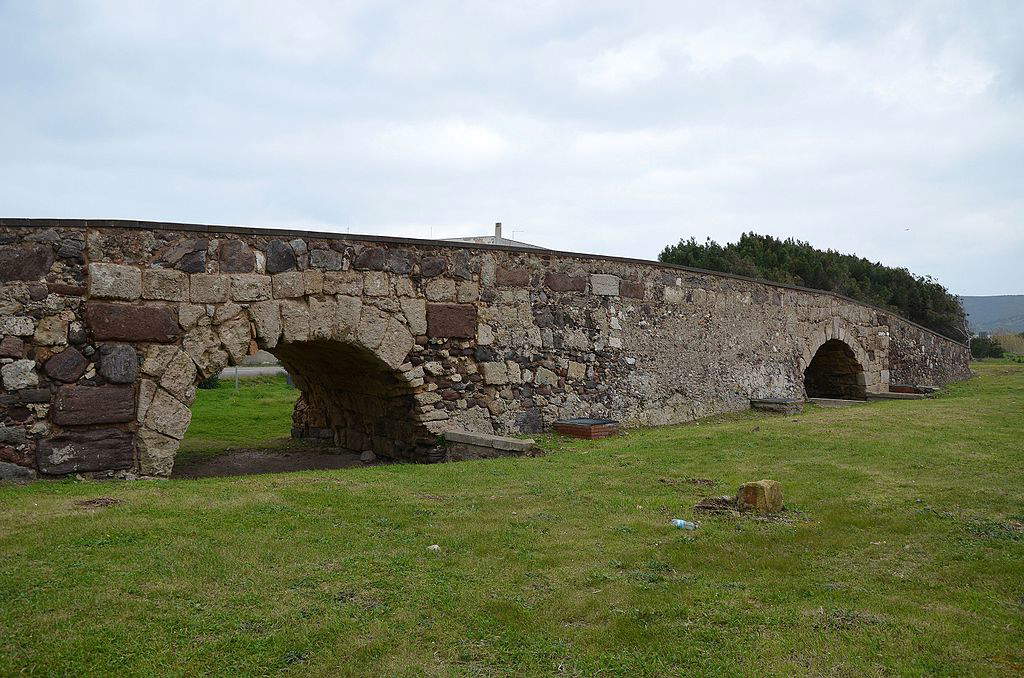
(347, 357)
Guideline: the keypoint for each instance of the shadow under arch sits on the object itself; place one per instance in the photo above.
(834, 372)
(365, 402)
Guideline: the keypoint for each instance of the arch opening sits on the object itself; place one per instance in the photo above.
(834, 372)
(359, 402)
(363, 402)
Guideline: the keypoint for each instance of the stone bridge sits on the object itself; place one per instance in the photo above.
(107, 327)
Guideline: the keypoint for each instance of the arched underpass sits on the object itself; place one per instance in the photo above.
(835, 373)
(363, 410)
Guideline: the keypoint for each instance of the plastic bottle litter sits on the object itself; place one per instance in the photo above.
(684, 524)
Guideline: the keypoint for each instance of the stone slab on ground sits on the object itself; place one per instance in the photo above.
(780, 405)
(463, 445)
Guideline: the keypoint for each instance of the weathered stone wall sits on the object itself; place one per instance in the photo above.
(107, 327)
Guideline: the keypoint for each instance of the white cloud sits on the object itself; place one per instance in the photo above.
(590, 126)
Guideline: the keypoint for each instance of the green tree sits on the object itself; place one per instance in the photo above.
(792, 262)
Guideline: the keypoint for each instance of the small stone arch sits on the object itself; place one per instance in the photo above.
(835, 372)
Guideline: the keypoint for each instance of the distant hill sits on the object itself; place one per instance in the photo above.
(989, 314)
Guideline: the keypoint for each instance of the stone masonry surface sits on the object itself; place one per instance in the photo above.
(107, 327)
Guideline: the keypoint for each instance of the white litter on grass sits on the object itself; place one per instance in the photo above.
(434, 547)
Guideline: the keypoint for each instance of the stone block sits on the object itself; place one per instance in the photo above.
(132, 322)
(250, 287)
(545, 377)
(373, 323)
(189, 315)
(313, 281)
(52, 331)
(763, 496)
(83, 451)
(327, 260)
(468, 292)
(164, 284)
(294, 320)
(67, 366)
(376, 284)
(346, 318)
(84, 405)
(115, 281)
(235, 336)
(562, 282)
(19, 374)
(147, 391)
(288, 285)
(451, 320)
(17, 325)
(208, 288)
(343, 282)
(440, 289)
(16, 473)
(415, 311)
(512, 277)
(322, 317)
(266, 317)
(168, 415)
(576, 370)
(236, 257)
(179, 379)
(629, 289)
(25, 262)
(280, 257)
(604, 284)
(12, 347)
(396, 343)
(431, 267)
(494, 373)
(118, 364)
(156, 453)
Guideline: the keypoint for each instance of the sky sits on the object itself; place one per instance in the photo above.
(893, 130)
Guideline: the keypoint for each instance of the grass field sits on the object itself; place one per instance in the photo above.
(257, 414)
(901, 553)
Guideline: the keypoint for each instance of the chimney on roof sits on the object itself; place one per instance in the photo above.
(497, 229)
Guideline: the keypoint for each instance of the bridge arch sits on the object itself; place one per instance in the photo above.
(835, 372)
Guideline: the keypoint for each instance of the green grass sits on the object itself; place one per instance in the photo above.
(257, 414)
(900, 555)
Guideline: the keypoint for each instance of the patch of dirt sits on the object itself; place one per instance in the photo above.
(255, 461)
(97, 503)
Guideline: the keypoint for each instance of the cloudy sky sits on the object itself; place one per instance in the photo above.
(894, 130)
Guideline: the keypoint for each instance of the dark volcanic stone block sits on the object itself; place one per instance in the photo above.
(372, 258)
(431, 267)
(451, 320)
(118, 363)
(68, 365)
(512, 277)
(236, 257)
(81, 405)
(93, 450)
(132, 322)
(280, 257)
(25, 262)
(12, 347)
(561, 282)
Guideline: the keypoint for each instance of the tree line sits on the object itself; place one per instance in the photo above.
(793, 262)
